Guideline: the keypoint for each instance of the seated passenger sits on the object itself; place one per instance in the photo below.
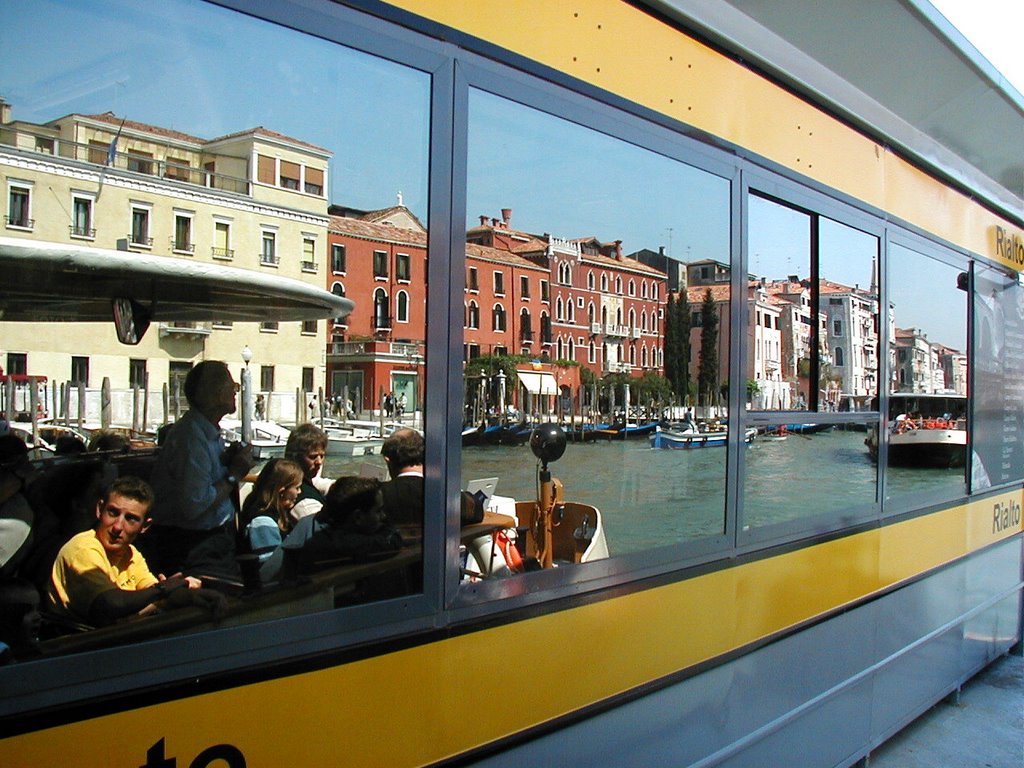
(307, 446)
(20, 621)
(264, 517)
(99, 577)
(64, 500)
(68, 445)
(404, 451)
(109, 440)
(16, 515)
(351, 525)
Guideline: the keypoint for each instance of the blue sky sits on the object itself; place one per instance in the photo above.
(174, 64)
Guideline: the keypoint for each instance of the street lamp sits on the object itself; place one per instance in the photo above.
(247, 403)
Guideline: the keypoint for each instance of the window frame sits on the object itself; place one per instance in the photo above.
(24, 220)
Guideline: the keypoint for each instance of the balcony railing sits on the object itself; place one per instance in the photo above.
(145, 242)
(185, 329)
(123, 160)
(223, 253)
(182, 247)
(526, 335)
(405, 350)
(19, 221)
(76, 231)
(270, 259)
(309, 266)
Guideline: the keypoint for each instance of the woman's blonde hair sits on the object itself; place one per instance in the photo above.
(264, 498)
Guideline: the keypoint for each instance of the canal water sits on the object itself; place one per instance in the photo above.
(653, 497)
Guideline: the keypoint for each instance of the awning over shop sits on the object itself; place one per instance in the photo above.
(538, 382)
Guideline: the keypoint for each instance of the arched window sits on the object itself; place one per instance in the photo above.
(643, 320)
(474, 315)
(654, 291)
(643, 289)
(565, 274)
(572, 350)
(498, 318)
(590, 279)
(604, 315)
(632, 287)
(604, 283)
(618, 285)
(590, 313)
(559, 309)
(632, 318)
(643, 356)
(338, 289)
(558, 349)
(570, 314)
(381, 319)
(402, 307)
(545, 328)
(839, 356)
(591, 356)
(632, 355)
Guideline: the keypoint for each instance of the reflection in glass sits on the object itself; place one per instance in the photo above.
(998, 414)
(848, 298)
(779, 314)
(802, 299)
(928, 385)
(804, 472)
(593, 241)
(163, 114)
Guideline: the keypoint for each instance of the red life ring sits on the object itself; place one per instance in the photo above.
(508, 550)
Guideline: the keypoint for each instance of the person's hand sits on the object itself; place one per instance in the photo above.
(209, 599)
(189, 581)
(241, 462)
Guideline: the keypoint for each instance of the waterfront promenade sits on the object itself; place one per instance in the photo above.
(983, 729)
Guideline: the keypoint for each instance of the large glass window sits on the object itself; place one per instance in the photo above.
(812, 345)
(524, 203)
(334, 163)
(998, 415)
(926, 423)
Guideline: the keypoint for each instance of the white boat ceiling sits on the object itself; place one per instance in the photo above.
(893, 68)
(58, 282)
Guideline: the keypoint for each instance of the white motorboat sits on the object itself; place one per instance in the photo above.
(926, 430)
(268, 437)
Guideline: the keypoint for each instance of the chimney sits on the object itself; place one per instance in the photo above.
(618, 250)
(483, 221)
(506, 216)
(5, 112)
(494, 223)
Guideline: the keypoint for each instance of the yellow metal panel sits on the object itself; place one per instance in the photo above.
(617, 47)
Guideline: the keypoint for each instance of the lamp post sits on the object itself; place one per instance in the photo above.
(501, 395)
(247, 402)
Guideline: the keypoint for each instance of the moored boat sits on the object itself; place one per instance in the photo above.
(268, 437)
(682, 439)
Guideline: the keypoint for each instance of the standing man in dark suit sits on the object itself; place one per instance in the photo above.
(403, 451)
